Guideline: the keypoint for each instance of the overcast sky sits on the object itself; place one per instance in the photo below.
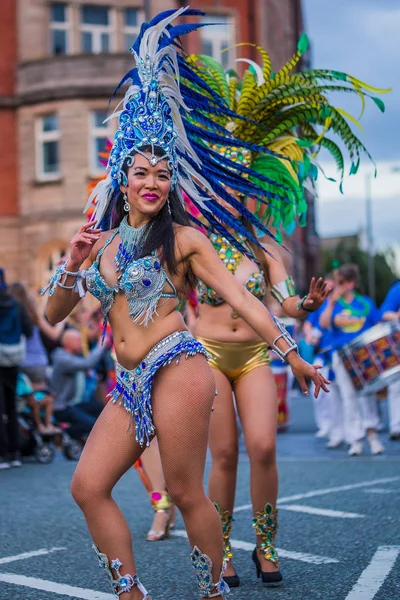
(362, 38)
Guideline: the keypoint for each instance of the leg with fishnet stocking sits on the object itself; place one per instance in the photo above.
(223, 441)
(183, 395)
(110, 451)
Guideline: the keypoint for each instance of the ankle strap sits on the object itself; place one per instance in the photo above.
(123, 583)
(202, 565)
(160, 501)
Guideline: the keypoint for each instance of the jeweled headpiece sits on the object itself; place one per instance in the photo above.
(169, 105)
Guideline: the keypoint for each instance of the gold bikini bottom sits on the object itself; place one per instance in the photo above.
(235, 359)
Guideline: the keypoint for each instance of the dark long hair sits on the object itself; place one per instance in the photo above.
(162, 235)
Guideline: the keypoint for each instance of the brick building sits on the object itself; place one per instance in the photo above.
(59, 63)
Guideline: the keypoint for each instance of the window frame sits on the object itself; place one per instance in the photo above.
(94, 134)
(214, 36)
(97, 30)
(41, 137)
(61, 26)
(130, 29)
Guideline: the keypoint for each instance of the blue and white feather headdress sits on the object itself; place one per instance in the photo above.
(168, 105)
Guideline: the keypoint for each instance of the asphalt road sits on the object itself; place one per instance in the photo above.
(339, 530)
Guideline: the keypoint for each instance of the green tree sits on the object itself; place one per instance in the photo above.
(350, 253)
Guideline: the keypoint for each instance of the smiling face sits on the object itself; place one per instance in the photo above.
(148, 186)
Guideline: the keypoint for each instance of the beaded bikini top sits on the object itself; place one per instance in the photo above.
(231, 258)
(142, 281)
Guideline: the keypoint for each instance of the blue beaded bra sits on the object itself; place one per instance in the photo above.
(142, 282)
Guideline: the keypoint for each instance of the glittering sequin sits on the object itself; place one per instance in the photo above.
(122, 583)
(266, 525)
(202, 565)
(142, 282)
(231, 258)
(226, 521)
(133, 387)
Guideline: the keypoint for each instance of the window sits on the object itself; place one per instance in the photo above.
(132, 19)
(100, 132)
(47, 147)
(96, 29)
(217, 38)
(59, 29)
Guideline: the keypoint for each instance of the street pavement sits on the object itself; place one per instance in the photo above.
(339, 535)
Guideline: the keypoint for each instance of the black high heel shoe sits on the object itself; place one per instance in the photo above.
(232, 580)
(269, 578)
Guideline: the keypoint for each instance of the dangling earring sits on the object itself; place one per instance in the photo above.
(127, 206)
(169, 206)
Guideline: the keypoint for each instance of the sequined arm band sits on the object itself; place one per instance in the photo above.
(283, 290)
(62, 274)
(284, 335)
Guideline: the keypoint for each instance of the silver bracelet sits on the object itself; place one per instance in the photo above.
(284, 335)
(55, 281)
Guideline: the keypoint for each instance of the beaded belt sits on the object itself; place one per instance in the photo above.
(133, 387)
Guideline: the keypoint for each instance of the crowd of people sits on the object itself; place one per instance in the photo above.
(51, 374)
(345, 414)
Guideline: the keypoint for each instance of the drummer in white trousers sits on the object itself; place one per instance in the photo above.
(328, 408)
(390, 311)
(349, 314)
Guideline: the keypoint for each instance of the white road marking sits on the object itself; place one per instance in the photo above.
(249, 547)
(56, 588)
(322, 492)
(41, 552)
(323, 512)
(373, 577)
(381, 491)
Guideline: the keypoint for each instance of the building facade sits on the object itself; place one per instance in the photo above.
(60, 62)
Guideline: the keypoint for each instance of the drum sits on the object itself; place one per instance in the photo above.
(281, 381)
(373, 358)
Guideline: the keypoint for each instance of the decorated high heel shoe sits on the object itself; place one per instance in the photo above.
(122, 583)
(227, 520)
(162, 503)
(202, 565)
(266, 525)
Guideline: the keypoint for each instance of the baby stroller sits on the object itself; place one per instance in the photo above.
(34, 443)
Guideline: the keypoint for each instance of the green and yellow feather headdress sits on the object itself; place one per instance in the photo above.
(288, 113)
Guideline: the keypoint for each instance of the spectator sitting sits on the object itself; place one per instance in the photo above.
(37, 401)
(35, 364)
(68, 362)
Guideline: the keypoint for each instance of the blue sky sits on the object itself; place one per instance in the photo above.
(362, 38)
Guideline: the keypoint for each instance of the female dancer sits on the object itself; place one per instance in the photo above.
(137, 268)
(271, 109)
(240, 361)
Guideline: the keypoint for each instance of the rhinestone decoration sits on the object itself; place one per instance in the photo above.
(122, 583)
(133, 387)
(231, 258)
(226, 521)
(146, 120)
(266, 525)
(202, 565)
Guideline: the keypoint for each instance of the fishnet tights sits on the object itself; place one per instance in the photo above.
(183, 395)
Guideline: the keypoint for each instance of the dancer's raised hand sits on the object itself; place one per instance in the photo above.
(317, 294)
(82, 243)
